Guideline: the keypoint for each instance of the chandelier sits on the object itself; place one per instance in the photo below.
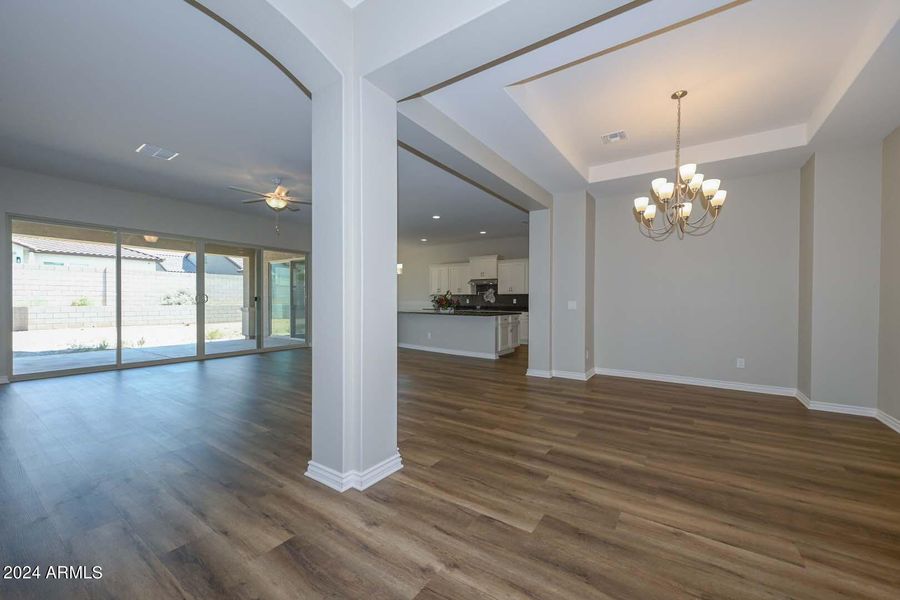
(676, 199)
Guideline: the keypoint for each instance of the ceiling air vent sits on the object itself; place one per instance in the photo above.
(615, 136)
(156, 151)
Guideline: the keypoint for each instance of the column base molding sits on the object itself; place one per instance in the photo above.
(358, 480)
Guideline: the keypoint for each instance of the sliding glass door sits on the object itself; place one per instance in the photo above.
(286, 318)
(159, 298)
(63, 297)
(87, 298)
(229, 286)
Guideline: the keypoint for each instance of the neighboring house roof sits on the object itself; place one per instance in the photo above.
(170, 261)
(175, 262)
(58, 246)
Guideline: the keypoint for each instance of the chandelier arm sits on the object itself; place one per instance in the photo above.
(698, 222)
(704, 227)
(654, 234)
(702, 231)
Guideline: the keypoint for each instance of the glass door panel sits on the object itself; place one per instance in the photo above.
(285, 283)
(63, 297)
(159, 298)
(229, 282)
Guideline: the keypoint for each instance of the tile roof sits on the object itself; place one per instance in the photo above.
(60, 246)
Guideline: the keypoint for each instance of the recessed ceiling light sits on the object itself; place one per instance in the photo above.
(423, 240)
(482, 232)
(435, 216)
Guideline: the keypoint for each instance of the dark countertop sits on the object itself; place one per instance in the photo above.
(461, 313)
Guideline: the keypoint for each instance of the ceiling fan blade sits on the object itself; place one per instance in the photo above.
(292, 209)
(245, 190)
(293, 201)
(252, 201)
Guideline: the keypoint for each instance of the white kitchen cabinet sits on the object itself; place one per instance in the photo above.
(512, 276)
(483, 267)
(439, 279)
(523, 328)
(459, 278)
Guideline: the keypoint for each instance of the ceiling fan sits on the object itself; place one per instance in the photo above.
(278, 200)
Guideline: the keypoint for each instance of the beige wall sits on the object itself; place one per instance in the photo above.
(691, 307)
(413, 284)
(804, 341)
(889, 325)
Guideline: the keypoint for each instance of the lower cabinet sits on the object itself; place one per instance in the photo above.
(507, 333)
(523, 328)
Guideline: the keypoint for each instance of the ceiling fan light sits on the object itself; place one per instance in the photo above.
(687, 171)
(276, 202)
(640, 204)
(718, 199)
(710, 187)
(650, 212)
(656, 184)
(280, 190)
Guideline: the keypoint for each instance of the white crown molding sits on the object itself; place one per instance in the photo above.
(714, 383)
(447, 351)
(574, 374)
(793, 136)
(359, 480)
(538, 373)
(890, 421)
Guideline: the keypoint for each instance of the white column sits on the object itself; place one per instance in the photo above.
(354, 305)
(540, 257)
(572, 311)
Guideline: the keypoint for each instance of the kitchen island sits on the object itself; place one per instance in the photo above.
(475, 333)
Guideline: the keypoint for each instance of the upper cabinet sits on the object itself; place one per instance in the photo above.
(459, 278)
(439, 279)
(483, 267)
(512, 276)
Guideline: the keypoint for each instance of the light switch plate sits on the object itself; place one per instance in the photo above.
(740, 363)
(573, 305)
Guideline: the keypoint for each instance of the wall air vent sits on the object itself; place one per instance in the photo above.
(156, 151)
(615, 136)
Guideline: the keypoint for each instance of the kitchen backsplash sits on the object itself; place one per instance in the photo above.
(508, 301)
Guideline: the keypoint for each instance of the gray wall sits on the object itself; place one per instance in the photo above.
(34, 195)
(572, 273)
(804, 341)
(691, 307)
(846, 257)
(413, 284)
(889, 324)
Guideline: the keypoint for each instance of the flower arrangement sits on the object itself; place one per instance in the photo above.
(444, 302)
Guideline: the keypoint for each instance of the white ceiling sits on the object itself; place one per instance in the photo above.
(763, 76)
(755, 67)
(84, 84)
(425, 190)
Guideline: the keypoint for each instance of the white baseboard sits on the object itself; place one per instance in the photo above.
(447, 351)
(574, 374)
(359, 480)
(803, 398)
(844, 409)
(714, 383)
(888, 420)
(538, 373)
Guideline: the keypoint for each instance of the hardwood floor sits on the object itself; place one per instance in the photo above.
(187, 481)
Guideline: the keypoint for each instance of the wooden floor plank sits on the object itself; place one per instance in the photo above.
(187, 481)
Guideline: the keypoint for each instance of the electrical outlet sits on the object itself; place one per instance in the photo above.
(740, 363)
(515, 300)
(429, 335)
